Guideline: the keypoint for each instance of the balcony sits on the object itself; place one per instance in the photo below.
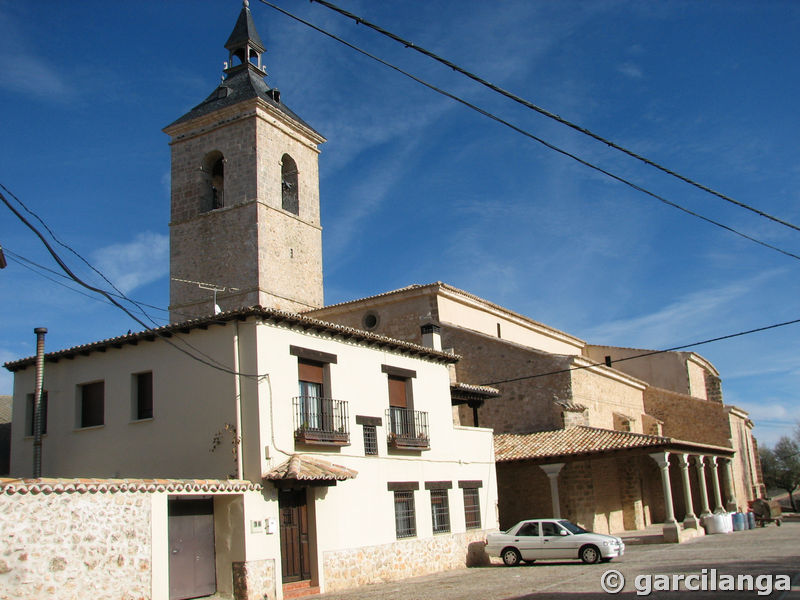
(408, 429)
(321, 421)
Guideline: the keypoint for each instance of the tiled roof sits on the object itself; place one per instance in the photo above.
(268, 314)
(460, 292)
(480, 390)
(307, 468)
(570, 406)
(44, 485)
(581, 440)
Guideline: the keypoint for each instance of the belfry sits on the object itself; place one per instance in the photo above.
(245, 219)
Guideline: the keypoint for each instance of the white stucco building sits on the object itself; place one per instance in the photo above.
(364, 477)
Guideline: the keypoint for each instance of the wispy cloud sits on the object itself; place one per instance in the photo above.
(28, 73)
(692, 312)
(137, 263)
(631, 70)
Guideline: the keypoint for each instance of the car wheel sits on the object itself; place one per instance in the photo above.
(511, 557)
(590, 554)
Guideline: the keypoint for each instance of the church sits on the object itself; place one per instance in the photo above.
(264, 445)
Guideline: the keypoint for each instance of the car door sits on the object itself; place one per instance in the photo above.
(528, 541)
(557, 541)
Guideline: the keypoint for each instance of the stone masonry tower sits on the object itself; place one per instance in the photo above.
(245, 195)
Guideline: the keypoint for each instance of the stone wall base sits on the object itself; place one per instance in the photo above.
(402, 559)
(254, 580)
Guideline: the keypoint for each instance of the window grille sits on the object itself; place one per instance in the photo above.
(440, 511)
(370, 440)
(404, 517)
(472, 508)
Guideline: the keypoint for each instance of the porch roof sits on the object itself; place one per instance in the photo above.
(583, 441)
(309, 468)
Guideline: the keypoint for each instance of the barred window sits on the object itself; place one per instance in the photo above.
(440, 511)
(370, 440)
(472, 508)
(404, 517)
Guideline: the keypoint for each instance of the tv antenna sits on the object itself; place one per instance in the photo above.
(212, 287)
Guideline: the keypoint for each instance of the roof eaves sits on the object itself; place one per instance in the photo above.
(269, 314)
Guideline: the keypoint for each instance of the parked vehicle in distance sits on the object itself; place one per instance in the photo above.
(546, 539)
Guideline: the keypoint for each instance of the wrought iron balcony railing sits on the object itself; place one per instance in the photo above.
(321, 421)
(407, 429)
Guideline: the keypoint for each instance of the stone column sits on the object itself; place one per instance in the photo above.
(552, 471)
(690, 520)
(730, 496)
(671, 529)
(715, 480)
(700, 465)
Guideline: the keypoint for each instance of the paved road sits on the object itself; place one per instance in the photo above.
(769, 551)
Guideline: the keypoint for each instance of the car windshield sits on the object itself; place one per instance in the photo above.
(572, 528)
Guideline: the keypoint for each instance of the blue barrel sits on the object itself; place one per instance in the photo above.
(751, 520)
(738, 521)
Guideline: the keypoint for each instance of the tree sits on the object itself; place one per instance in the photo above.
(781, 465)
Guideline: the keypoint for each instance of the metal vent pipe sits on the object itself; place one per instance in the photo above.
(37, 403)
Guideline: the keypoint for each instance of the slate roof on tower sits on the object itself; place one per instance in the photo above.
(242, 82)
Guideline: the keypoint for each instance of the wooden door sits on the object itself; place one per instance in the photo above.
(192, 569)
(295, 553)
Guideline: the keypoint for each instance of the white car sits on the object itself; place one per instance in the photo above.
(544, 539)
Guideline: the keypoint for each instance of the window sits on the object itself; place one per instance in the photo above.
(472, 507)
(311, 379)
(404, 516)
(370, 321)
(91, 397)
(399, 416)
(143, 396)
(370, 440)
(213, 173)
(289, 197)
(29, 407)
(529, 529)
(549, 529)
(440, 511)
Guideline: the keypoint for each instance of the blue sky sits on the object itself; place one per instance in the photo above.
(416, 188)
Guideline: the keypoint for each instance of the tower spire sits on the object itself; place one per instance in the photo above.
(244, 43)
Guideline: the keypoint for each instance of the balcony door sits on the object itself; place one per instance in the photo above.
(399, 421)
(311, 382)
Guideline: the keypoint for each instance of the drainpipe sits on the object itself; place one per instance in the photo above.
(237, 390)
(37, 403)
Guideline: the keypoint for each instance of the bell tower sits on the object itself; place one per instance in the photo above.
(245, 195)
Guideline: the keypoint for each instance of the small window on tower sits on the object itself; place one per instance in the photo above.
(289, 198)
(213, 172)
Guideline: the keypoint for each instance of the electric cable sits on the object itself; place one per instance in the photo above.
(108, 296)
(533, 136)
(30, 264)
(64, 245)
(21, 260)
(645, 354)
(551, 115)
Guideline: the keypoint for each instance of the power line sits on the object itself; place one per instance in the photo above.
(532, 136)
(551, 115)
(645, 354)
(69, 248)
(108, 296)
(21, 260)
